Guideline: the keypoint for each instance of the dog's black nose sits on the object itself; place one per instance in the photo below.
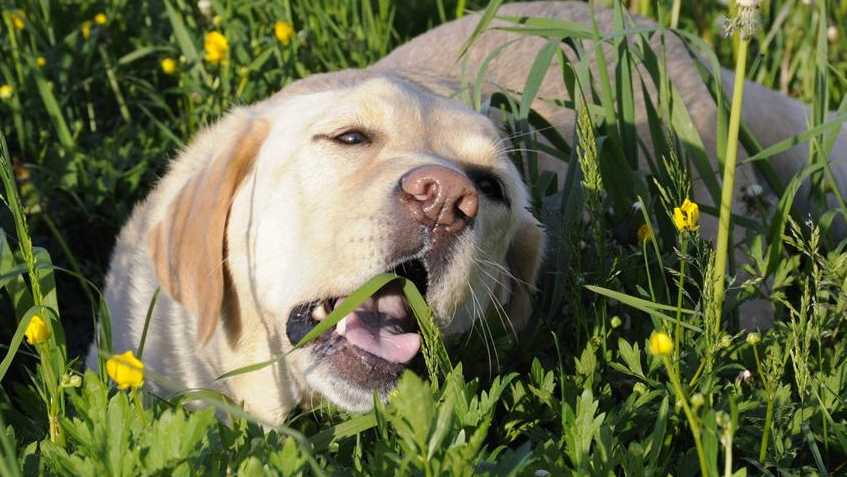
(439, 197)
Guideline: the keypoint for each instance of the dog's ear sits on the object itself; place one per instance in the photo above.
(188, 245)
(524, 260)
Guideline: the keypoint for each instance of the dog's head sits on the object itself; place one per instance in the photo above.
(329, 183)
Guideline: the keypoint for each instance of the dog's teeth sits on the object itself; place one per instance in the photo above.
(319, 312)
(341, 326)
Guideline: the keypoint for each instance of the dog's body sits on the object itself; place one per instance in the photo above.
(282, 208)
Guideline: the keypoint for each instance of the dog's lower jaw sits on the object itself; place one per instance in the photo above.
(322, 377)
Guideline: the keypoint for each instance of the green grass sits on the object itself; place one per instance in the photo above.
(575, 394)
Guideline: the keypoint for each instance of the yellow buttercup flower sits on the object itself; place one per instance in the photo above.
(661, 344)
(686, 216)
(216, 47)
(643, 234)
(17, 17)
(168, 66)
(37, 331)
(126, 370)
(86, 30)
(40, 61)
(101, 19)
(284, 32)
(6, 91)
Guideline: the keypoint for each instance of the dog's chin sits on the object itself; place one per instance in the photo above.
(365, 352)
(347, 379)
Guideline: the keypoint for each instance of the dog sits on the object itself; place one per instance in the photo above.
(281, 209)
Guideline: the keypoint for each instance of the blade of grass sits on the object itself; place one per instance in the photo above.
(150, 308)
(356, 298)
(348, 428)
(484, 21)
(646, 306)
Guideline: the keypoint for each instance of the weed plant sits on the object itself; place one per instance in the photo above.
(636, 362)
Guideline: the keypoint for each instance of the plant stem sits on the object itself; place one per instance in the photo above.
(721, 247)
(647, 269)
(137, 399)
(678, 329)
(675, 13)
(763, 447)
(727, 472)
(697, 374)
(50, 382)
(689, 415)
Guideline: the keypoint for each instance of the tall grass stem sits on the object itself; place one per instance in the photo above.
(689, 415)
(677, 4)
(680, 291)
(763, 446)
(721, 247)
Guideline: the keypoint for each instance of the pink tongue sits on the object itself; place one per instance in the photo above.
(375, 328)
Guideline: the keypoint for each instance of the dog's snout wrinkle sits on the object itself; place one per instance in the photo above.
(439, 197)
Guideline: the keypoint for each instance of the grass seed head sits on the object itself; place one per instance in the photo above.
(747, 21)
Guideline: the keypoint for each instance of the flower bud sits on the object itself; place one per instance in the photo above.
(753, 339)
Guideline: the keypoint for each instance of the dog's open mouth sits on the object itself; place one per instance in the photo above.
(381, 333)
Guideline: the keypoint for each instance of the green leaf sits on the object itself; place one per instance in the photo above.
(644, 305)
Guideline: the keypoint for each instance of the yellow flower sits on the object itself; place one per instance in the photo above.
(661, 344)
(37, 331)
(643, 234)
(6, 91)
(125, 370)
(686, 217)
(100, 19)
(40, 61)
(284, 32)
(86, 30)
(168, 66)
(17, 17)
(216, 47)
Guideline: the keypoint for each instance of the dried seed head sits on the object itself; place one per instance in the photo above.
(744, 376)
(747, 21)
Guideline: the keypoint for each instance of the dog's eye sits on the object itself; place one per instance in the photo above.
(489, 186)
(352, 138)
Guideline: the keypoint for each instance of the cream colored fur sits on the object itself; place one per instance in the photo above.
(310, 218)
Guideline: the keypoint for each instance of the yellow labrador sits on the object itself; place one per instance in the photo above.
(281, 209)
